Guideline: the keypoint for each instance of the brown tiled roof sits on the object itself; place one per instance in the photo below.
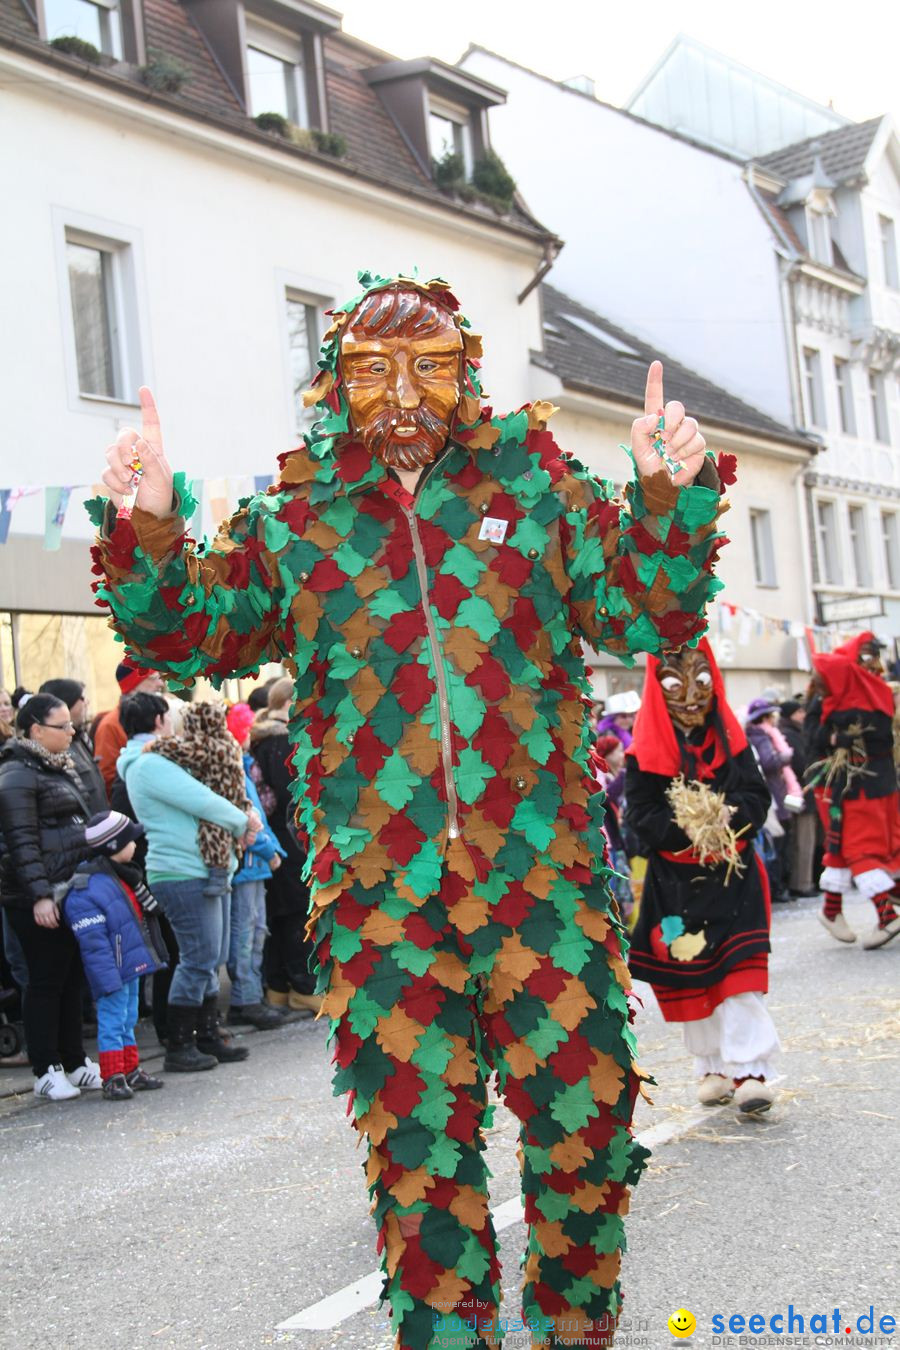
(843, 153)
(585, 363)
(168, 28)
(376, 149)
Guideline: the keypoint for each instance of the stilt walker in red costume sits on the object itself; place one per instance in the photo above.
(855, 780)
(695, 801)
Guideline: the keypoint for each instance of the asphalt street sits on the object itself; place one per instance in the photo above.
(212, 1213)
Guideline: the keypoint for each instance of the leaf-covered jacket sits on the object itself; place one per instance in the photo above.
(436, 640)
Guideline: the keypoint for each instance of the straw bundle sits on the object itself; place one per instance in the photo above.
(705, 817)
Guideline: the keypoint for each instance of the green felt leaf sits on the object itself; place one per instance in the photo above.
(423, 874)
(341, 665)
(696, 506)
(465, 703)
(345, 943)
(553, 1205)
(575, 1106)
(348, 560)
(435, 1110)
(363, 1014)
(434, 1051)
(462, 563)
(443, 1157)
(547, 1037)
(412, 958)
(471, 775)
(385, 604)
(571, 953)
(538, 741)
(538, 831)
(277, 533)
(476, 613)
(395, 781)
(589, 560)
(341, 515)
(529, 535)
(474, 1263)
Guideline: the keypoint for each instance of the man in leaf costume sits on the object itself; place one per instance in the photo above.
(850, 722)
(427, 571)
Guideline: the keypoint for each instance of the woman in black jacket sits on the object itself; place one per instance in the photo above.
(43, 813)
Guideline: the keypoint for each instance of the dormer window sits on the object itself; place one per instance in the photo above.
(94, 21)
(450, 133)
(818, 229)
(276, 80)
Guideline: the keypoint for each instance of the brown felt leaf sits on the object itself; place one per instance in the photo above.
(522, 1060)
(517, 959)
(485, 834)
(539, 414)
(322, 535)
(449, 971)
(551, 1237)
(340, 992)
(606, 1269)
(589, 1198)
(372, 867)
(467, 653)
(381, 929)
(571, 1153)
(470, 1207)
(566, 850)
(394, 1244)
(592, 922)
(398, 1035)
(473, 345)
(320, 391)
(606, 1078)
(450, 1290)
(412, 1186)
(483, 437)
(377, 1121)
(572, 1005)
(660, 493)
(469, 914)
(421, 753)
(462, 1068)
(541, 880)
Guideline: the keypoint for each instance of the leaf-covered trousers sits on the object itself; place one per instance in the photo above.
(430, 998)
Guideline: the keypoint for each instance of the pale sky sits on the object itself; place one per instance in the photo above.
(845, 53)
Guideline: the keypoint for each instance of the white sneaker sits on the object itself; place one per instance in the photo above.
(838, 927)
(55, 1086)
(87, 1075)
(879, 936)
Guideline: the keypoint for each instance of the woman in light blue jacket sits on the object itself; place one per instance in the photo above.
(248, 902)
(171, 804)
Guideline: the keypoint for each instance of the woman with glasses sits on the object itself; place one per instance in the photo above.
(42, 818)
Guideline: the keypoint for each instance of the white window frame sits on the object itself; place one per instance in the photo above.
(878, 407)
(462, 118)
(843, 383)
(858, 533)
(286, 47)
(890, 547)
(818, 229)
(826, 533)
(319, 294)
(110, 32)
(125, 245)
(888, 236)
(813, 391)
(763, 547)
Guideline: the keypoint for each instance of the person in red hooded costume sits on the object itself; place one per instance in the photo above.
(702, 935)
(856, 791)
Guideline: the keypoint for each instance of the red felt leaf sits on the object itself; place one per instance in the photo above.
(726, 467)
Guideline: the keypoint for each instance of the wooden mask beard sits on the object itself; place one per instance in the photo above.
(401, 367)
(687, 686)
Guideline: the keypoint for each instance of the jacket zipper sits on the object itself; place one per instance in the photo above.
(439, 675)
(119, 950)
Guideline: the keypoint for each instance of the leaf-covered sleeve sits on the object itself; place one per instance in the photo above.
(641, 568)
(191, 609)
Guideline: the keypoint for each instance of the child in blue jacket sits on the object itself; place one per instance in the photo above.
(248, 902)
(103, 908)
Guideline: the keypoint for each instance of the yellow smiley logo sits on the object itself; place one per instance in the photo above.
(682, 1323)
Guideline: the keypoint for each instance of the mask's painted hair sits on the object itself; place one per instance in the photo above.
(399, 312)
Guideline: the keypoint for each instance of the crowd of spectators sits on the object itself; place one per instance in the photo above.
(142, 854)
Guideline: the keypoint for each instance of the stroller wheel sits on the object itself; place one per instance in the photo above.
(10, 1040)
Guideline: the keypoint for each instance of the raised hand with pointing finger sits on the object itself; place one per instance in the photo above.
(144, 448)
(664, 436)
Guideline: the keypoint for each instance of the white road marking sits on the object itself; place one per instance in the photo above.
(362, 1293)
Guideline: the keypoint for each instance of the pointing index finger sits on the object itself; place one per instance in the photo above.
(150, 428)
(653, 394)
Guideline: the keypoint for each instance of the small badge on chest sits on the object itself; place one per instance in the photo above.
(493, 530)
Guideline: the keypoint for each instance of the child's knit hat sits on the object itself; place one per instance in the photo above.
(108, 832)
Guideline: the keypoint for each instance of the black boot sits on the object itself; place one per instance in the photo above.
(182, 1055)
(209, 1035)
